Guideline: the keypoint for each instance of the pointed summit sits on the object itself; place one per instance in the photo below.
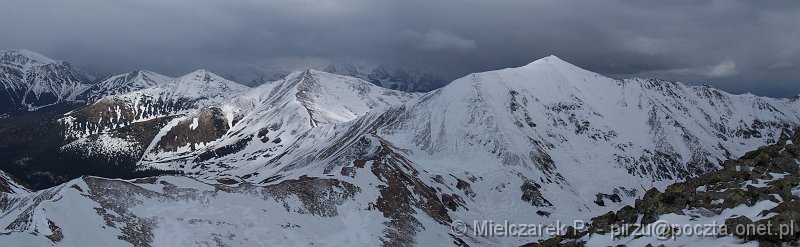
(554, 59)
(203, 75)
(553, 62)
(544, 74)
(204, 82)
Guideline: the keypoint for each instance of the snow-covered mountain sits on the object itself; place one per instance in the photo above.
(183, 121)
(140, 96)
(122, 126)
(260, 124)
(126, 83)
(107, 136)
(532, 138)
(328, 159)
(31, 81)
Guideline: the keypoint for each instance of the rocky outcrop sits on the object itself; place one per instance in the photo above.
(195, 131)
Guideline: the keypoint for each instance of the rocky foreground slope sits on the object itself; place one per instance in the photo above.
(753, 199)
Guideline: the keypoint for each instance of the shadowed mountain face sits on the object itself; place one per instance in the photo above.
(546, 142)
(106, 137)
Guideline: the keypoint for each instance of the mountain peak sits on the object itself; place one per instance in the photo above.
(308, 72)
(323, 73)
(547, 73)
(203, 75)
(200, 72)
(141, 72)
(128, 82)
(133, 74)
(552, 60)
(23, 56)
(138, 74)
(315, 77)
(550, 66)
(303, 74)
(205, 79)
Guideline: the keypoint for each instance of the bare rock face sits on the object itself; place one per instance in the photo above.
(205, 126)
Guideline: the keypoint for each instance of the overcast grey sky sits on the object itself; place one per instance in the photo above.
(739, 46)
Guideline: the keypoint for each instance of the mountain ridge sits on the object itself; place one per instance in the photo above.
(32, 81)
(544, 142)
(529, 138)
(273, 115)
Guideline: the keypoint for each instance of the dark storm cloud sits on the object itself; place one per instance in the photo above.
(738, 46)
